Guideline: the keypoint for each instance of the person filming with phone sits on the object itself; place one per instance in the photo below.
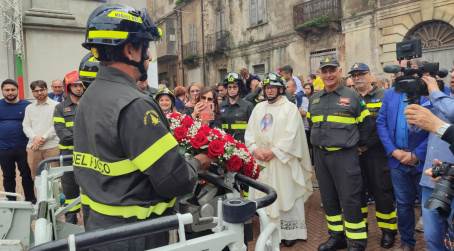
(207, 108)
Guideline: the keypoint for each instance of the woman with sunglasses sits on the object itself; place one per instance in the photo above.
(207, 109)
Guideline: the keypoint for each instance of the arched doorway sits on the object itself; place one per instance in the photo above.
(437, 39)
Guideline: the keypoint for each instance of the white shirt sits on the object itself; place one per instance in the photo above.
(38, 121)
(299, 86)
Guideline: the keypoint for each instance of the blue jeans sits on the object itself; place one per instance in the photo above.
(435, 226)
(405, 183)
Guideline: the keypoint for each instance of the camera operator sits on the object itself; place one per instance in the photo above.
(442, 106)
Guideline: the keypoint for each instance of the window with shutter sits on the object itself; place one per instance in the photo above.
(253, 12)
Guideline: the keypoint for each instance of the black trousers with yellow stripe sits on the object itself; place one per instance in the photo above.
(339, 178)
(68, 182)
(377, 182)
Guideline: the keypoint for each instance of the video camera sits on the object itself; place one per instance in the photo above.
(409, 82)
(443, 192)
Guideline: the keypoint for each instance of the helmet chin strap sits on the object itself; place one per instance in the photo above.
(234, 97)
(141, 64)
(271, 99)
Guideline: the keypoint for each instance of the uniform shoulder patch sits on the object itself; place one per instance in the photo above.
(315, 101)
(151, 117)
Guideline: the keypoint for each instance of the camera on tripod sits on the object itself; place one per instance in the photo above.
(443, 192)
(410, 82)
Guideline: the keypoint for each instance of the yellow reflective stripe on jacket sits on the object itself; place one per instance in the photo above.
(308, 115)
(356, 236)
(333, 218)
(337, 228)
(69, 124)
(87, 74)
(330, 149)
(127, 211)
(159, 148)
(317, 118)
(238, 126)
(59, 120)
(74, 208)
(359, 225)
(225, 126)
(341, 119)
(374, 105)
(363, 115)
(364, 210)
(107, 34)
(62, 147)
(390, 226)
(383, 216)
(117, 168)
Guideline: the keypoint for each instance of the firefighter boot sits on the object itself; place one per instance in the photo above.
(335, 242)
(387, 239)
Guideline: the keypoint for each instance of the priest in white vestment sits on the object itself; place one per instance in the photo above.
(275, 136)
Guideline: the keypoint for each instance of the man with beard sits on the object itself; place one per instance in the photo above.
(235, 112)
(13, 141)
(64, 118)
(38, 126)
(339, 125)
(275, 136)
(373, 160)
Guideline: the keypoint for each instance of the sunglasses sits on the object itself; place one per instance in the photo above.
(206, 98)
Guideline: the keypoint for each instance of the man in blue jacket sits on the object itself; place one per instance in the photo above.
(406, 148)
(13, 141)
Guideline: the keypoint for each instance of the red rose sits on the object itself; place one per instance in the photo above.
(240, 145)
(198, 140)
(187, 121)
(174, 115)
(216, 148)
(229, 138)
(251, 170)
(205, 130)
(180, 133)
(216, 133)
(234, 164)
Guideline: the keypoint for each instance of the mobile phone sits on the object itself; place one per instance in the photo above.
(207, 113)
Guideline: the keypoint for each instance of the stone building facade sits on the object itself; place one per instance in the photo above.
(213, 37)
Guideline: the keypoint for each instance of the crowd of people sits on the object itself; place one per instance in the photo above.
(352, 129)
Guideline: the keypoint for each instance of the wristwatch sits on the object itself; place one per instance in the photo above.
(442, 129)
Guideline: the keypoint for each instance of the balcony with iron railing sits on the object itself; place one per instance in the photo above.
(191, 53)
(167, 50)
(317, 15)
(217, 43)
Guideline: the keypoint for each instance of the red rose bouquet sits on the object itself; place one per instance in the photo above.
(195, 138)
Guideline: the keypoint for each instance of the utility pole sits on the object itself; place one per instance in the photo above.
(11, 12)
